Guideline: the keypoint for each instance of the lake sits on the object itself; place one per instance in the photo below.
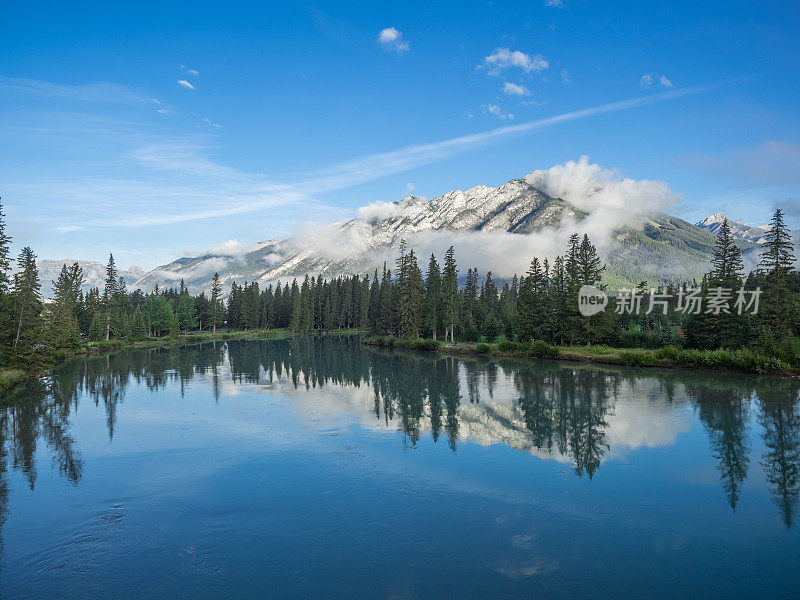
(314, 467)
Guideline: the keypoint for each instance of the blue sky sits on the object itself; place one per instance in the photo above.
(290, 113)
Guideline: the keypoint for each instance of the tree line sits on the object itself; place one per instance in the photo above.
(402, 301)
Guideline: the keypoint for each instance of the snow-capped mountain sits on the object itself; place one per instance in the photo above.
(713, 223)
(498, 229)
(94, 274)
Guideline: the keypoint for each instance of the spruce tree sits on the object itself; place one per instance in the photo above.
(216, 297)
(386, 313)
(185, 312)
(777, 260)
(723, 329)
(433, 297)
(63, 331)
(5, 253)
(727, 261)
(109, 292)
(374, 309)
(409, 296)
(449, 294)
(27, 305)
(590, 267)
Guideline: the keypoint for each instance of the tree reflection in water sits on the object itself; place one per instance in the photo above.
(544, 406)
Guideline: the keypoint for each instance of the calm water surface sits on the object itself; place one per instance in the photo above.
(317, 468)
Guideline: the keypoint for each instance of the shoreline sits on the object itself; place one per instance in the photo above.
(669, 357)
(10, 377)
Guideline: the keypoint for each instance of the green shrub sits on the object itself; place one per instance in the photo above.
(512, 346)
(540, 349)
(638, 359)
(483, 348)
(669, 352)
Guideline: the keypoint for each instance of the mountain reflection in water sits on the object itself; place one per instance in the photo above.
(573, 414)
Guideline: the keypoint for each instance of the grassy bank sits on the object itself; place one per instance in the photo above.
(10, 377)
(669, 357)
(184, 338)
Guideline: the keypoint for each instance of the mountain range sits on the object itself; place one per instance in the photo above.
(498, 229)
(508, 223)
(94, 274)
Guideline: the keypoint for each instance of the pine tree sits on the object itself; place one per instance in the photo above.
(721, 330)
(557, 305)
(409, 295)
(386, 318)
(96, 328)
(216, 297)
(777, 261)
(433, 297)
(449, 294)
(590, 267)
(63, 331)
(530, 318)
(727, 262)
(306, 306)
(5, 253)
(185, 312)
(109, 293)
(27, 304)
(374, 308)
(139, 329)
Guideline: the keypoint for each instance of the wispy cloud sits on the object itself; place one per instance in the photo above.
(182, 183)
(650, 79)
(186, 84)
(554, 3)
(512, 89)
(391, 38)
(388, 163)
(505, 58)
(68, 228)
(100, 92)
(494, 109)
(565, 78)
(190, 71)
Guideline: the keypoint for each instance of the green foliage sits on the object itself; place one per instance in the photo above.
(511, 346)
(540, 349)
(483, 348)
(10, 377)
(186, 314)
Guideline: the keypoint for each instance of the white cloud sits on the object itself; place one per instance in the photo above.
(379, 211)
(609, 200)
(649, 79)
(68, 228)
(186, 84)
(209, 122)
(494, 109)
(554, 3)
(512, 89)
(229, 248)
(410, 187)
(565, 76)
(190, 71)
(391, 38)
(505, 58)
